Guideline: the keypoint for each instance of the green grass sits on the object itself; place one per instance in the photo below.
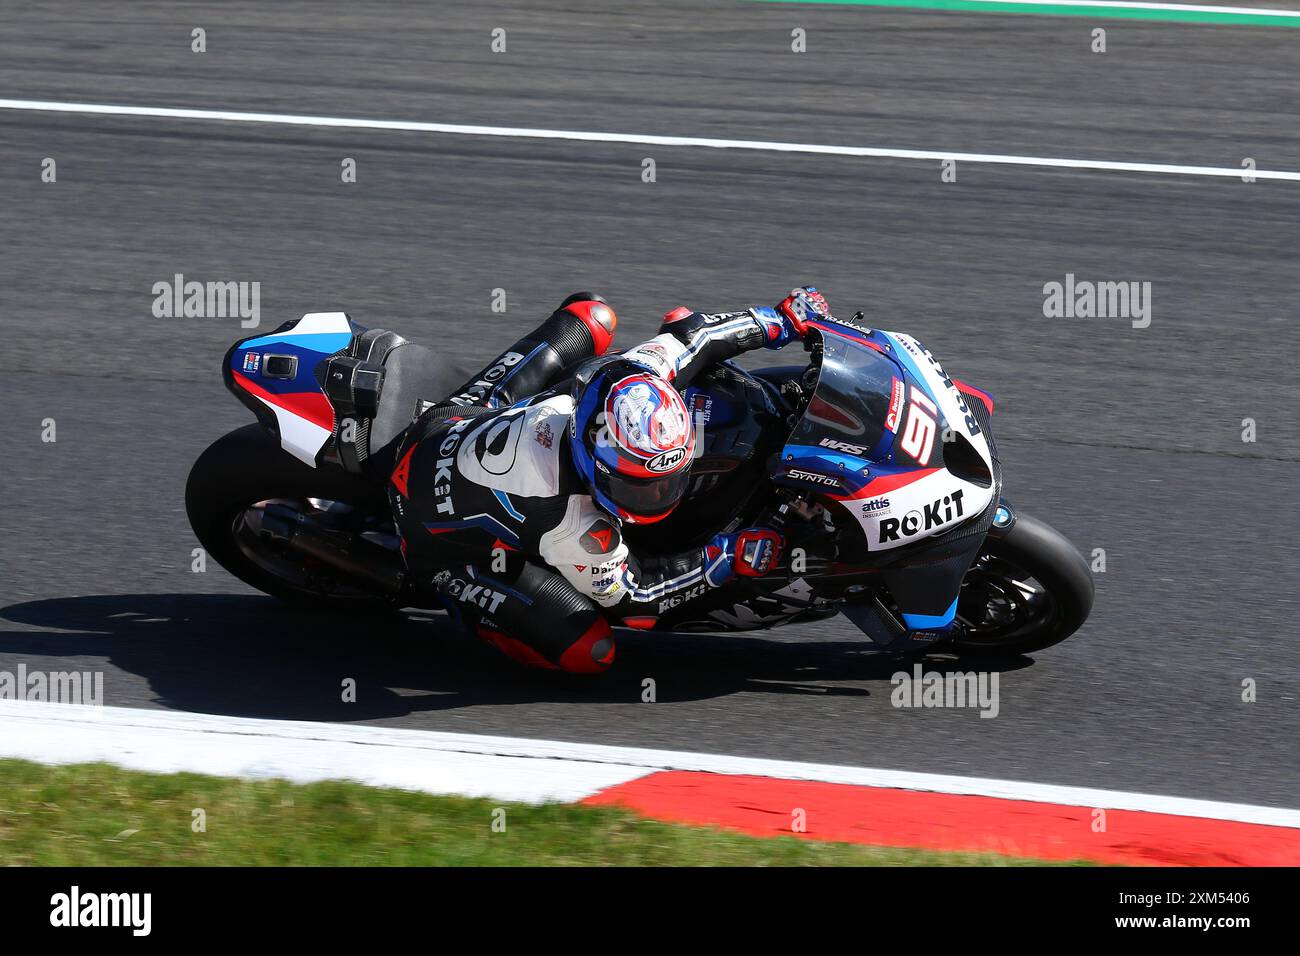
(95, 814)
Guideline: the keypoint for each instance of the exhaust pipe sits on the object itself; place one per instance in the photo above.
(358, 558)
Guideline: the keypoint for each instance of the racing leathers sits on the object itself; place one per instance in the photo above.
(492, 512)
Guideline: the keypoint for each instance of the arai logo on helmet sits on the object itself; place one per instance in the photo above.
(668, 461)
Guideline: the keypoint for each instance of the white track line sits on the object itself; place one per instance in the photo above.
(505, 768)
(753, 145)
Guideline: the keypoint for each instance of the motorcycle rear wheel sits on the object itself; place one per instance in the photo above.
(228, 489)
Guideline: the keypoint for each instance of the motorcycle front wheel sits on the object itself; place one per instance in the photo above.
(1028, 589)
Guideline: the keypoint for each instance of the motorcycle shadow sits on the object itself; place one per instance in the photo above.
(253, 656)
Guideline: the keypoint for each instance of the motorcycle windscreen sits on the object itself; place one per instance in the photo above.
(855, 406)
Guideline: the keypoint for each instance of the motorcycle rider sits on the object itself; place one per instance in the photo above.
(511, 494)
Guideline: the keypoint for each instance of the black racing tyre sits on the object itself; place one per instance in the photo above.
(1028, 589)
(247, 468)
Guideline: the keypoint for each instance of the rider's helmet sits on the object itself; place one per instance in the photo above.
(630, 439)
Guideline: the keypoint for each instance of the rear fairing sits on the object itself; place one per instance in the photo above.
(280, 377)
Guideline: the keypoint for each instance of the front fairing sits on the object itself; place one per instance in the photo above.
(877, 437)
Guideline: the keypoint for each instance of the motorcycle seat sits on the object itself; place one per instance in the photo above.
(413, 376)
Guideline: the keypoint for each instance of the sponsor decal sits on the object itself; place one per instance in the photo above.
(600, 538)
(666, 461)
(849, 324)
(877, 506)
(654, 355)
(911, 346)
(968, 419)
(402, 473)
(442, 473)
(544, 434)
(812, 476)
(936, 513)
(843, 446)
(682, 598)
(480, 595)
(701, 409)
(252, 360)
(496, 444)
(480, 388)
(895, 405)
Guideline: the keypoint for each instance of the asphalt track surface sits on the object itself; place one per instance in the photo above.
(1125, 439)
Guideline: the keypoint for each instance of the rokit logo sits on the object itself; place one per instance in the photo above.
(442, 472)
(477, 594)
(936, 513)
(475, 392)
(971, 426)
(682, 598)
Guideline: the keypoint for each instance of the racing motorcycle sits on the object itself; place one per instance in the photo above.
(877, 466)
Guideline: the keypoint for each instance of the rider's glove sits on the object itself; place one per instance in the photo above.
(751, 553)
(801, 306)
